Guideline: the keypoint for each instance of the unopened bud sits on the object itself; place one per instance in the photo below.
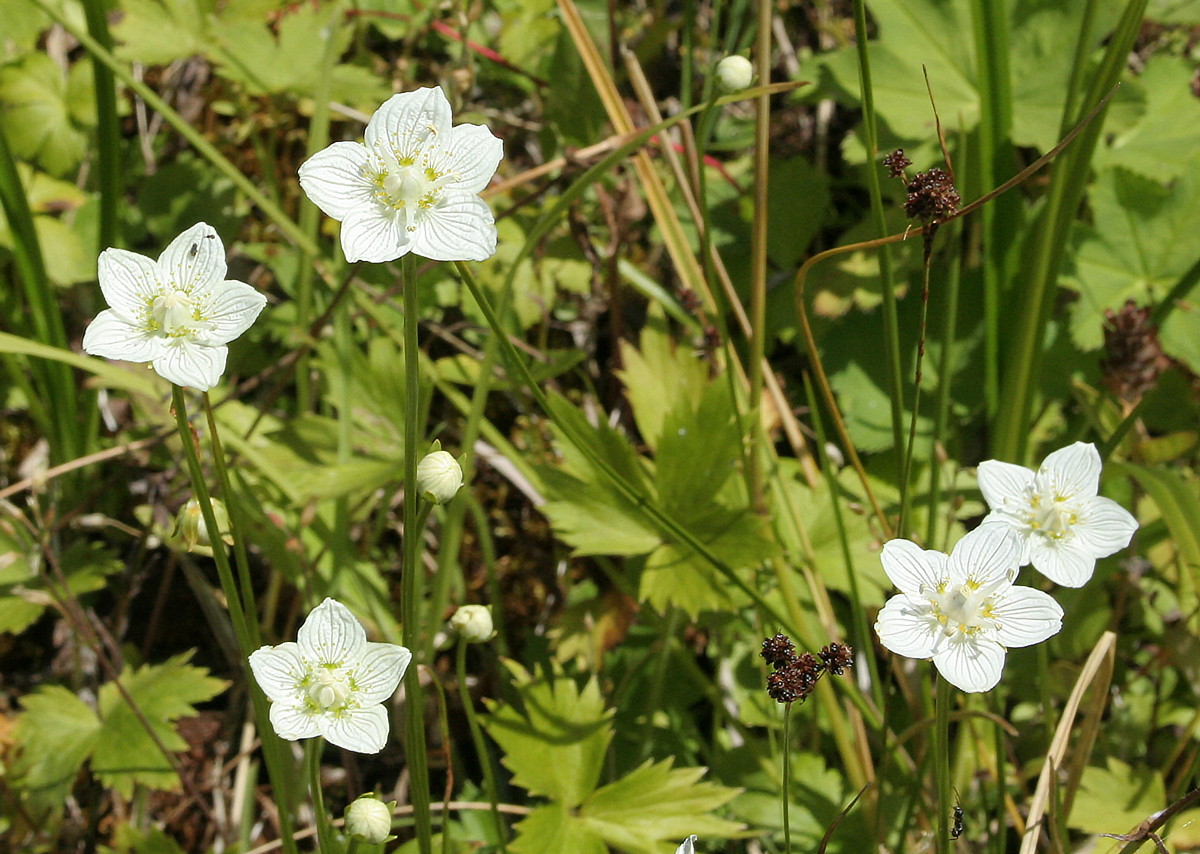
(191, 528)
(734, 73)
(439, 476)
(473, 623)
(369, 819)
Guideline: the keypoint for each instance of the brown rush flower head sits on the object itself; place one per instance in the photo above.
(794, 676)
(1133, 356)
(931, 196)
(896, 163)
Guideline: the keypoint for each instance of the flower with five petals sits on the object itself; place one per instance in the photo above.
(1063, 525)
(330, 681)
(412, 185)
(962, 609)
(178, 312)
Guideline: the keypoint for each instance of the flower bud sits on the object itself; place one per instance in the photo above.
(438, 477)
(734, 73)
(473, 623)
(369, 819)
(191, 528)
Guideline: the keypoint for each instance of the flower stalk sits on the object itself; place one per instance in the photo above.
(941, 762)
(485, 761)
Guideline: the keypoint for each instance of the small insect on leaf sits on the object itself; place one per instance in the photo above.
(956, 828)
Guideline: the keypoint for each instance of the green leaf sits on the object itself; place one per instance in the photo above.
(1116, 798)
(556, 747)
(1180, 507)
(125, 753)
(553, 829)
(1139, 246)
(38, 113)
(1163, 143)
(659, 377)
(158, 32)
(57, 732)
(649, 810)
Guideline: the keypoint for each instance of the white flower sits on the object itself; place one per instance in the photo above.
(1063, 524)
(370, 819)
(439, 477)
(688, 846)
(414, 185)
(962, 610)
(473, 623)
(331, 681)
(177, 313)
(734, 73)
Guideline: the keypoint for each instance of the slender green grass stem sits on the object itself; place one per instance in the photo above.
(485, 759)
(758, 255)
(891, 325)
(941, 416)
(108, 129)
(410, 604)
(236, 519)
(997, 840)
(325, 832)
(273, 752)
(941, 761)
(787, 779)
(862, 633)
(909, 449)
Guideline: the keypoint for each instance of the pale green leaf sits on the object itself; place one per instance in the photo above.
(37, 115)
(650, 809)
(555, 746)
(56, 731)
(158, 32)
(553, 829)
(125, 753)
(1116, 798)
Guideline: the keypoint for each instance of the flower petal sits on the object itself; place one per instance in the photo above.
(194, 262)
(110, 335)
(1104, 526)
(186, 362)
(408, 122)
(1073, 471)
(970, 663)
(331, 635)
(1026, 616)
(907, 626)
(1003, 484)
(378, 672)
(360, 730)
(986, 555)
(910, 567)
(1070, 563)
(278, 670)
(335, 181)
(128, 281)
(688, 846)
(232, 309)
(293, 721)
(459, 229)
(475, 153)
(371, 235)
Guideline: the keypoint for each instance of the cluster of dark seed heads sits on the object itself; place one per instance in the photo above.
(931, 196)
(1133, 355)
(793, 676)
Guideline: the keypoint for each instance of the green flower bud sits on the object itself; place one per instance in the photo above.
(734, 73)
(439, 476)
(190, 526)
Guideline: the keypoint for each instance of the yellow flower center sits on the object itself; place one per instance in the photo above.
(176, 314)
(329, 688)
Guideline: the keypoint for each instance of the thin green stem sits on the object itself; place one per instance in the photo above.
(108, 130)
(941, 762)
(485, 759)
(410, 604)
(941, 417)
(891, 325)
(325, 832)
(758, 256)
(787, 779)
(236, 518)
(909, 449)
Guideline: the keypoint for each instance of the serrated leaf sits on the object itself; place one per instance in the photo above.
(1162, 144)
(659, 377)
(158, 32)
(57, 732)
(556, 747)
(650, 809)
(125, 753)
(1116, 798)
(38, 114)
(552, 829)
(698, 452)
(1139, 246)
